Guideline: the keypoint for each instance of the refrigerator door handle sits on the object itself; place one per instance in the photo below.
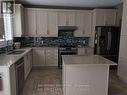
(109, 41)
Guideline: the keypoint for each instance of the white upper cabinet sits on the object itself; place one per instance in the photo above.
(110, 18)
(84, 24)
(18, 21)
(62, 18)
(45, 22)
(99, 18)
(52, 24)
(30, 22)
(41, 22)
(71, 18)
(88, 23)
(66, 18)
(105, 17)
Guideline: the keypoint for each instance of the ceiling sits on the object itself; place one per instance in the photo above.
(74, 3)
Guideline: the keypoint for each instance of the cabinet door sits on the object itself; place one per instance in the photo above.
(81, 51)
(39, 57)
(87, 27)
(79, 24)
(71, 19)
(52, 30)
(30, 20)
(110, 18)
(100, 19)
(89, 51)
(62, 18)
(41, 20)
(84, 24)
(52, 56)
(66, 18)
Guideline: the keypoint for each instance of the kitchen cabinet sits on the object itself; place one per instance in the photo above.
(51, 56)
(84, 24)
(30, 22)
(104, 17)
(66, 18)
(18, 21)
(41, 22)
(52, 24)
(39, 57)
(27, 63)
(85, 51)
(45, 56)
(45, 23)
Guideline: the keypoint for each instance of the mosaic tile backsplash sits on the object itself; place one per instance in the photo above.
(52, 41)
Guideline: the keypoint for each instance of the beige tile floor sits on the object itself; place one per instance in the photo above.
(48, 82)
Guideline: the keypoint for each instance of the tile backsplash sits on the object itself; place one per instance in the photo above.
(51, 41)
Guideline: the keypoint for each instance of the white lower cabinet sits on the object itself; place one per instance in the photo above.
(85, 51)
(51, 57)
(27, 63)
(39, 57)
(45, 56)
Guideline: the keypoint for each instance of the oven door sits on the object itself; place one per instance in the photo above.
(64, 53)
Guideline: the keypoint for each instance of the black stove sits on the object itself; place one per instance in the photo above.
(66, 50)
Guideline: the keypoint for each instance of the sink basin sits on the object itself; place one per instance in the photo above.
(16, 52)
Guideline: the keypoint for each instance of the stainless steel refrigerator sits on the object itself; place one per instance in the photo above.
(106, 42)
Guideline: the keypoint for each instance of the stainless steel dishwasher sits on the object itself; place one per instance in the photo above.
(19, 66)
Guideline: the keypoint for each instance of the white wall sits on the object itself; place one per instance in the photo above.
(119, 14)
(122, 65)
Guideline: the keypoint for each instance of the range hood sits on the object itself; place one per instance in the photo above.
(67, 28)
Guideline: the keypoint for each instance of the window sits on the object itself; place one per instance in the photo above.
(8, 26)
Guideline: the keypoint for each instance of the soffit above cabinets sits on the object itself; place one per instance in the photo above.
(73, 3)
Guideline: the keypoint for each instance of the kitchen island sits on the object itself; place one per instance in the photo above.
(85, 75)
